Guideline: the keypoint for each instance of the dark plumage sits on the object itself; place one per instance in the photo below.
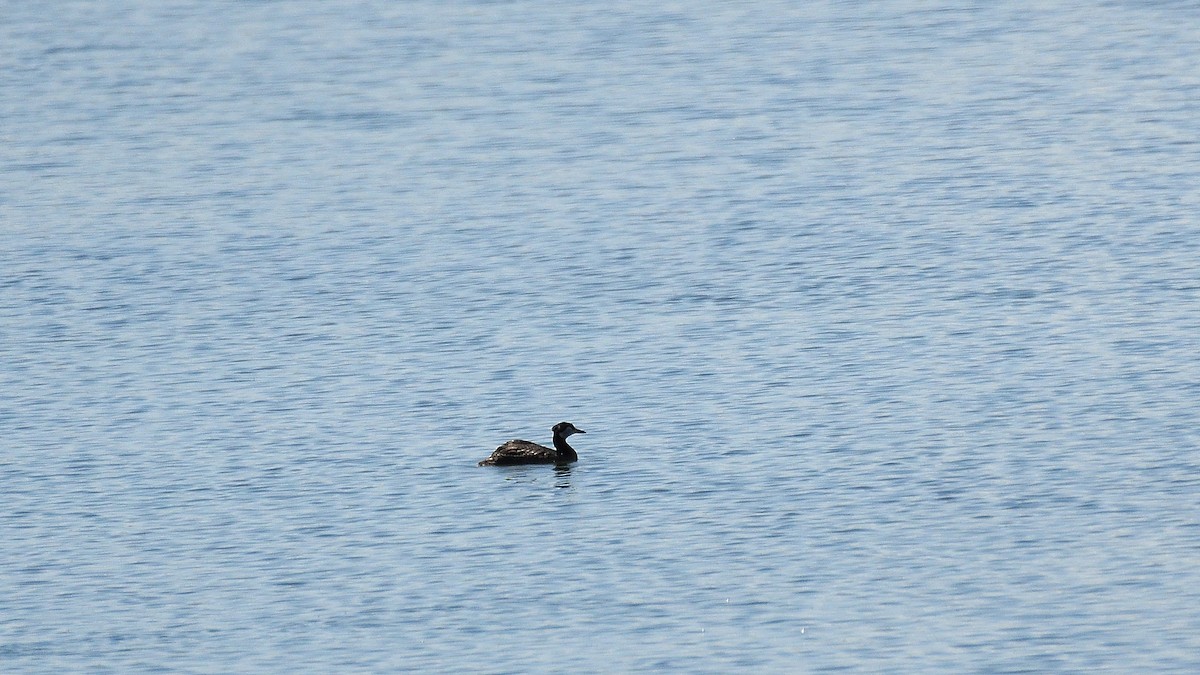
(524, 452)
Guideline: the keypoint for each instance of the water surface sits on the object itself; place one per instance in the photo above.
(882, 323)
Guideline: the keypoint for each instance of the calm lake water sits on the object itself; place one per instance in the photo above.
(882, 320)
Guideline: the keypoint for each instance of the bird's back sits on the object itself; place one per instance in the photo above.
(520, 452)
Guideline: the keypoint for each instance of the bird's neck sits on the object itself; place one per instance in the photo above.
(564, 451)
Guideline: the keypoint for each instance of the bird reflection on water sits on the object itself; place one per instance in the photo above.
(562, 476)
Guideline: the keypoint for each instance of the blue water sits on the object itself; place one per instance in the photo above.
(882, 320)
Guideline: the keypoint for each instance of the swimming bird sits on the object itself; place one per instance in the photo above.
(524, 452)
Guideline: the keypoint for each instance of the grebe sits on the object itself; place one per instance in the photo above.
(524, 452)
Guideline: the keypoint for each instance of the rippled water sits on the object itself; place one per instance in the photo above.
(881, 319)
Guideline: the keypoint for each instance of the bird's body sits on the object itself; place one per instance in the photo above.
(518, 451)
(525, 452)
